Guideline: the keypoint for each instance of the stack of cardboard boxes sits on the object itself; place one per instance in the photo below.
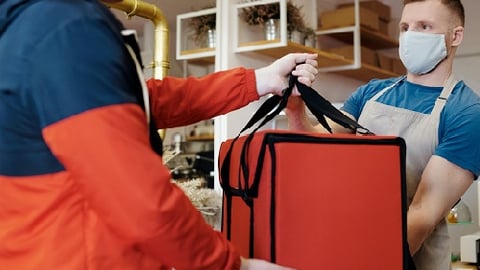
(375, 17)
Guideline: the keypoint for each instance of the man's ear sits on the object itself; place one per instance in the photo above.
(457, 36)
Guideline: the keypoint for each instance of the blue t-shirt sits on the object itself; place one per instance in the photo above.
(459, 127)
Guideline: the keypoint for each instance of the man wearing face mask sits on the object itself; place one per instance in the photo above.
(438, 117)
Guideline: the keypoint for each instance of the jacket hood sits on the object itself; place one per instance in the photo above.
(9, 10)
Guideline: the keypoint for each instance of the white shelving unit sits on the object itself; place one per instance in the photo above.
(187, 51)
(259, 43)
(247, 38)
(353, 30)
(355, 35)
(358, 36)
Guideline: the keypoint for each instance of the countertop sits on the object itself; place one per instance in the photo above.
(462, 266)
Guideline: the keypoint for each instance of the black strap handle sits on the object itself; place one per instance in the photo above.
(267, 111)
(318, 105)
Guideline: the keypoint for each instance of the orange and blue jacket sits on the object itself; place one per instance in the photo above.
(80, 186)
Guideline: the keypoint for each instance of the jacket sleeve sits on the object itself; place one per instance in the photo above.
(107, 153)
(182, 101)
(93, 125)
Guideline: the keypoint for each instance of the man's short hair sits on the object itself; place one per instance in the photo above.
(455, 6)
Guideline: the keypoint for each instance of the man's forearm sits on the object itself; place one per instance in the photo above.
(419, 227)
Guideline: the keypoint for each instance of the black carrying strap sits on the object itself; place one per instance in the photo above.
(319, 106)
(268, 110)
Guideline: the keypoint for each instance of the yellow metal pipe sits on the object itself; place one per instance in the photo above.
(149, 11)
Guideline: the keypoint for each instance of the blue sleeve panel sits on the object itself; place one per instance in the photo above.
(80, 65)
(459, 129)
(59, 59)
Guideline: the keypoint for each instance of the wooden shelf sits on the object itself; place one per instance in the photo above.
(259, 43)
(201, 138)
(368, 38)
(191, 52)
(325, 59)
(367, 72)
(462, 266)
(196, 51)
(199, 56)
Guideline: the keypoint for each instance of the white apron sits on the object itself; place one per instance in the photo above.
(420, 132)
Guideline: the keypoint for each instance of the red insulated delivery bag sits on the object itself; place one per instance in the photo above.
(315, 201)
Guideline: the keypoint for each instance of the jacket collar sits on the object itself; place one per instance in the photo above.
(9, 10)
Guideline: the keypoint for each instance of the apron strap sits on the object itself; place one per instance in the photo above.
(377, 95)
(450, 84)
(138, 67)
(440, 102)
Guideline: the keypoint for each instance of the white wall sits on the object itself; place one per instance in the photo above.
(467, 68)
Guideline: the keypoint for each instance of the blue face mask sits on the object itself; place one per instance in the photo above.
(421, 52)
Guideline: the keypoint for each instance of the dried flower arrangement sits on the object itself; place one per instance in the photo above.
(201, 25)
(206, 200)
(259, 14)
(295, 20)
(310, 37)
(309, 32)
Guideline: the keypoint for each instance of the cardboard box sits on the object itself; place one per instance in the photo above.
(383, 11)
(368, 56)
(383, 27)
(398, 67)
(385, 61)
(346, 17)
(390, 63)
